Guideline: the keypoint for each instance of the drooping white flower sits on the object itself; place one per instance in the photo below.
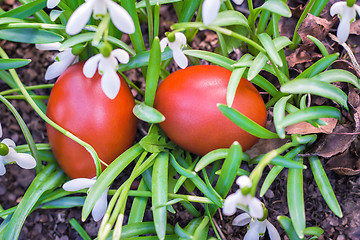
(119, 16)
(210, 9)
(176, 48)
(81, 183)
(24, 160)
(256, 228)
(346, 15)
(107, 66)
(245, 202)
(52, 3)
(62, 60)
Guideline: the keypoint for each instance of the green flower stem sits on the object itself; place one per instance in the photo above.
(258, 170)
(150, 21)
(28, 98)
(20, 97)
(28, 88)
(102, 30)
(36, 26)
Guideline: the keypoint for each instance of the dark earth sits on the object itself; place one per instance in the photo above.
(338, 148)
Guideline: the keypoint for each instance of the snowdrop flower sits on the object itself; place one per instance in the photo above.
(107, 66)
(245, 202)
(176, 47)
(52, 3)
(119, 16)
(81, 183)
(62, 61)
(210, 9)
(347, 14)
(9, 155)
(256, 228)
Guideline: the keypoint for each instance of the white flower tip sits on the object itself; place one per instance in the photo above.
(52, 3)
(241, 220)
(78, 184)
(238, 2)
(1, 133)
(243, 181)
(336, 8)
(25, 161)
(210, 10)
(110, 83)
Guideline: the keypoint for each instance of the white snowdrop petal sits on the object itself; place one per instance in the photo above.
(99, 9)
(260, 226)
(100, 207)
(120, 17)
(273, 232)
(48, 46)
(1, 132)
(91, 65)
(336, 8)
(25, 160)
(180, 38)
(241, 220)
(66, 58)
(78, 184)
(180, 58)
(10, 143)
(255, 208)
(52, 3)
(357, 8)
(163, 43)
(238, 2)
(2, 167)
(10, 157)
(343, 30)
(110, 83)
(121, 55)
(210, 10)
(243, 181)
(230, 203)
(79, 18)
(251, 234)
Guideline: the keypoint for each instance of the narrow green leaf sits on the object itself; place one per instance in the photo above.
(25, 10)
(269, 46)
(108, 176)
(338, 75)
(210, 157)
(153, 73)
(263, 83)
(320, 45)
(277, 6)
(318, 66)
(211, 57)
(313, 231)
(188, 10)
(147, 113)
(257, 65)
(228, 172)
(142, 59)
(13, 63)
(324, 185)
(310, 113)
(295, 199)
(159, 193)
(246, 123)
(316, 87)
(7, 20)
(181, 232)
(44, 181)
(279, 114)
(234, 81)
(288, 227)
(244, 61)
(79, 229)
(230, 17)
(30, 35)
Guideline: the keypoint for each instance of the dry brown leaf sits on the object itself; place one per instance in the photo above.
(307, 128)
(314, 26)
(344, 164)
